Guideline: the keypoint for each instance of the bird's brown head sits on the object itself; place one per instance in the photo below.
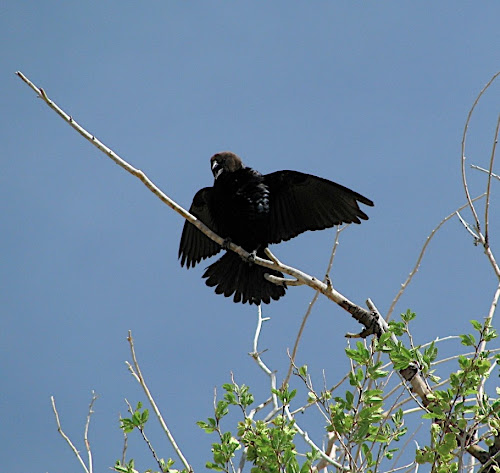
(225, 161)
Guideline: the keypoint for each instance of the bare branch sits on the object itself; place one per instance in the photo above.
(136, 372)
(421, 255)
(67, 439)
(482, 238)
(255, 354)
(479, 168)
(488, 187)
(464, 136)
(360, 314)
(310, 307)
(468, 227)
(86, 432)
(283, 281)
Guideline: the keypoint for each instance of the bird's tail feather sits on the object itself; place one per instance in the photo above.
(232, 275)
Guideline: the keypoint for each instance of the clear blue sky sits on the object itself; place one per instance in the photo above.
(371, 95)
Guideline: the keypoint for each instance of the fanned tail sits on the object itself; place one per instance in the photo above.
(232, 275)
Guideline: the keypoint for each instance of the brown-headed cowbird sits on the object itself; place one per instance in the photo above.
(253, 210)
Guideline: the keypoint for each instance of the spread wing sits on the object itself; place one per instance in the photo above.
(301, 202)
(194, 245)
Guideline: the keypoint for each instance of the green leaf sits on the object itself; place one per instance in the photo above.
(206, 427)
(221, 409)
(477, 325)
(397, 328)
(430, 353)
(372, 396)
(408, 315)
(490, 334)
(213, 466)
(468, 340)
(349, 396)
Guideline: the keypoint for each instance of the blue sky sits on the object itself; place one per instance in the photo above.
(371, 95)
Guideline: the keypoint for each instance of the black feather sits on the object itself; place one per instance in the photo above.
(254, 211)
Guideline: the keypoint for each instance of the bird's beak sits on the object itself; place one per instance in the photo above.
(217, 169)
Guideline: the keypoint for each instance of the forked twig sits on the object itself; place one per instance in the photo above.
(86, 431)
(137, 374)
(255, 354)
(68, 440)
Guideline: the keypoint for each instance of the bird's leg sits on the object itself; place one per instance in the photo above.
(225, 244)
(251, 257)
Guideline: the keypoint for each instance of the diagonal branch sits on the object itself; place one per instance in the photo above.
(363, 316)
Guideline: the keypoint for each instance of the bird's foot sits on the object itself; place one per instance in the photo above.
(226, 243)
(251, 257)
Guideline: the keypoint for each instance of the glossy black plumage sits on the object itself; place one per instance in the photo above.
(253, 211)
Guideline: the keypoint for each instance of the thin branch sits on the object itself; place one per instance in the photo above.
(482, 238)
(310, 307)
(306, 438)
(86, 431)
(496, 176)
(256, 356)
(136, 372)
(464, 136)
(421, 255)
(482, 345)
(124, 164)
(145, 438)
(468, 228)
(454, 357)
(125, 443)
(403, 448)
(360, 314)
(67, 439)
(488, 187)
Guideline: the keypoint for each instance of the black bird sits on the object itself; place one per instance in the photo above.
(253, 210)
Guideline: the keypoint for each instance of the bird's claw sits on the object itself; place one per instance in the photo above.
(251, 257)
(226, 243)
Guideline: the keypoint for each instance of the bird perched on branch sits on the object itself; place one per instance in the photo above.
(254, 210)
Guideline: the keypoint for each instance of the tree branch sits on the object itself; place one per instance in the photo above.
(483, 239)
(363, 316)
(67, 439)
(136, 373)
(422, 252)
